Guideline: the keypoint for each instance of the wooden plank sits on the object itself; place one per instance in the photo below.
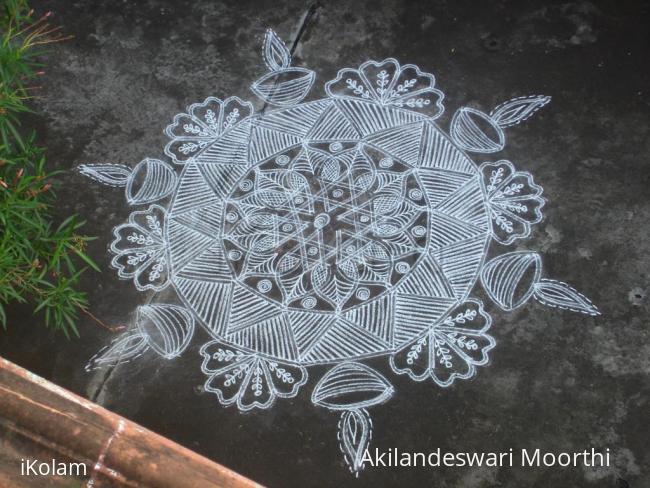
(39, 420)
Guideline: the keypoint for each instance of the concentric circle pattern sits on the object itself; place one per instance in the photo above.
(325, 227)
(331, 230)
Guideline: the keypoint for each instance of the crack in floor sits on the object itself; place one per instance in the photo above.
(307, 20)
(107, 374)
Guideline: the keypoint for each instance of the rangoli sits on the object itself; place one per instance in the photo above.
(327, 232)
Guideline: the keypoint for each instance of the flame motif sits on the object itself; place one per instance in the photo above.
(355, 433)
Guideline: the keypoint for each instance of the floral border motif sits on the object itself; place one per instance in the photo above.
(388, 83)
(192, 132)
(450, 349)
(140, 249)
(514, 199)
(248, 380)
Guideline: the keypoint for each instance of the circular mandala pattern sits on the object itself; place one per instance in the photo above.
(332, 230)
(353, 224)
(328, 232)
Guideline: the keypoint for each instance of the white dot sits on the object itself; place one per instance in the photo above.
(418, 231)
(336, 146)
(363, 293)
(321, 220)
(264, 286)
(402, 267)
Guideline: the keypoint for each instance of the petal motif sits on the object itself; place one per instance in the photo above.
(348, 84)
(140, 251)
(387, 83)
(449, 364)
(415, 90)
(380, 77)
(415, 358)
(217, 356)
(248, 380)
(154, 274)
(229, 383)
(449, 350)
(130, 262)
(515, 200)
(257, 391)
(286, 378)
(182, 150)
(203, 123)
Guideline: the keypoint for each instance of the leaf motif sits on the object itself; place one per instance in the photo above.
(276, 54)
(517, 110)
(334, 287)
(557, 294)
(355, 432)
(107, 174)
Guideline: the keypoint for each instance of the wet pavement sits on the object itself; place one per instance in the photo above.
(557, 381)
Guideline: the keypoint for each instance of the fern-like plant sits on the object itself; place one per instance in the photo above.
(40, 262)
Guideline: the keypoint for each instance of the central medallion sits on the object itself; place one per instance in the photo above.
(325, 226)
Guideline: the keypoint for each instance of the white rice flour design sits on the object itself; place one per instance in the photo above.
(327, 232)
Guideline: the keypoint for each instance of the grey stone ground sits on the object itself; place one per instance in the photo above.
(558, 381)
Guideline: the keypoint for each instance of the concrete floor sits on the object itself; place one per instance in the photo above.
(558, 381)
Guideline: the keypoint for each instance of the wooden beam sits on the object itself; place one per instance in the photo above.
(40, 419)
